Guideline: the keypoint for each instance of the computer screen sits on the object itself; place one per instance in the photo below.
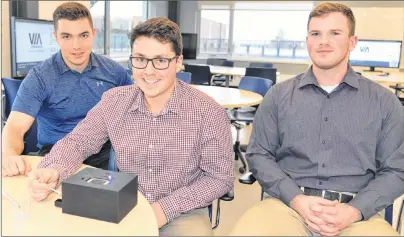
(32, 42)
(189, 45)
(376, 53)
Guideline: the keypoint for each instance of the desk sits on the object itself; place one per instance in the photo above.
(231, 97)
(45, 219)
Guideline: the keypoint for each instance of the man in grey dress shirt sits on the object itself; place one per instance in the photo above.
(327, 145)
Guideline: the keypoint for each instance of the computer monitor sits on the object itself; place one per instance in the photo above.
(376, 53)
(189, 45)
(32, 42)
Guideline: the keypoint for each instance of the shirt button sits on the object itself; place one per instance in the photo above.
(320, 182)
(323, 165)
(151, 146)
(326, 119)
(150, 170)
(323, 142)
(154, 119)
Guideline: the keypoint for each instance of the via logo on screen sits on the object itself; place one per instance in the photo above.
(364, 49)
(35, 40)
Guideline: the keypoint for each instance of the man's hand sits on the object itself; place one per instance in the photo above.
(159, 213)
(39, 182)
(302, 204)
(337, 217)
(14, 165)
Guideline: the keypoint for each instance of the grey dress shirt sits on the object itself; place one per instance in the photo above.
(349, 140)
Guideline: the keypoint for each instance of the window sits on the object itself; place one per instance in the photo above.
(124, 16)
(97, 9)
(258, 29)
(214, 32)
(281, 34)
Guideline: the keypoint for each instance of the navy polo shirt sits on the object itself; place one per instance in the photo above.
(59, 98)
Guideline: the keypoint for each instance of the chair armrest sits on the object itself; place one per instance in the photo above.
(228, 196)
(247, 178)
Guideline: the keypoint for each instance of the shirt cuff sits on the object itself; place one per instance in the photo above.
(62, 172)
(364, 206)
(288, 190)
(170, 208)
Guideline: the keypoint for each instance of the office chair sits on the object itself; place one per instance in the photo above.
(268, 73)
(249, 178)
(219, 79)
(257, 85)
(216, 61)
(261, 65)
(11, 87)
(184, 76)
(200, 74)
(227, 197)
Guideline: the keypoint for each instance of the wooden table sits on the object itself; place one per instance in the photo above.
(231, 97)
(44, 219)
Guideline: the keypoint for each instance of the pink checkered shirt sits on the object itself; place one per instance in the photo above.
(182, 156)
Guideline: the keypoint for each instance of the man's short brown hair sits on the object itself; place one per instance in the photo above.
(329, 7)
(71, 11)
(159, 28)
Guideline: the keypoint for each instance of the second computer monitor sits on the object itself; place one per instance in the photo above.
(376, 53)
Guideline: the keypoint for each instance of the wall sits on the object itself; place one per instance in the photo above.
(46, 8)
(5, 40)
(158, 8)
(188, 14)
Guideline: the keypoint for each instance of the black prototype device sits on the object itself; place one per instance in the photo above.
(99, 194)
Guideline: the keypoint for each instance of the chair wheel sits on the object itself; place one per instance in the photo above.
(241, 170)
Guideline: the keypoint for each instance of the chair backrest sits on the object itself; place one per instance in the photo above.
(31, 140)
(388, 214)
(112, 163)
(261, 65)
(228, 63)
(11, 87)
(200, 74)
(129, 66)
(255, 84)
(216, 61)
(184, 76)
(268, 73)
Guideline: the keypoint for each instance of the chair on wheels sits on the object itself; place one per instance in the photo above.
(246, 115)
(268, 73)
(11, 87)
(227, 197)
(261, 65)
(249, 178)
(184, 76)
(216, 61)
(219, 79)
(200, 74)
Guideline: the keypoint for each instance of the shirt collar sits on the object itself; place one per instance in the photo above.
(64, 68)
(351, 78)
(173, 105)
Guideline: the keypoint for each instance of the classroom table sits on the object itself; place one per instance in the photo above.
(231, 97)
(44, 219)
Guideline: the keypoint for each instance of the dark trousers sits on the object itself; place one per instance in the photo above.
(99, 160)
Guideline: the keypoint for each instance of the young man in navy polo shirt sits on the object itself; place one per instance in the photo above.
(60, 91)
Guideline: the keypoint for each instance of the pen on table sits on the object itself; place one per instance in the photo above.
(54, 190)
(9, 198)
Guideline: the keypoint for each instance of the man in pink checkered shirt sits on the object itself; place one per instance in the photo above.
(174, 137)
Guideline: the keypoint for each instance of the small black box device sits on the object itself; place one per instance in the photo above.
(100, 194)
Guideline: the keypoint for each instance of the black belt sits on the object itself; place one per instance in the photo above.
(329, 195)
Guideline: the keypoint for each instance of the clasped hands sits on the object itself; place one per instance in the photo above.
(323, 216)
